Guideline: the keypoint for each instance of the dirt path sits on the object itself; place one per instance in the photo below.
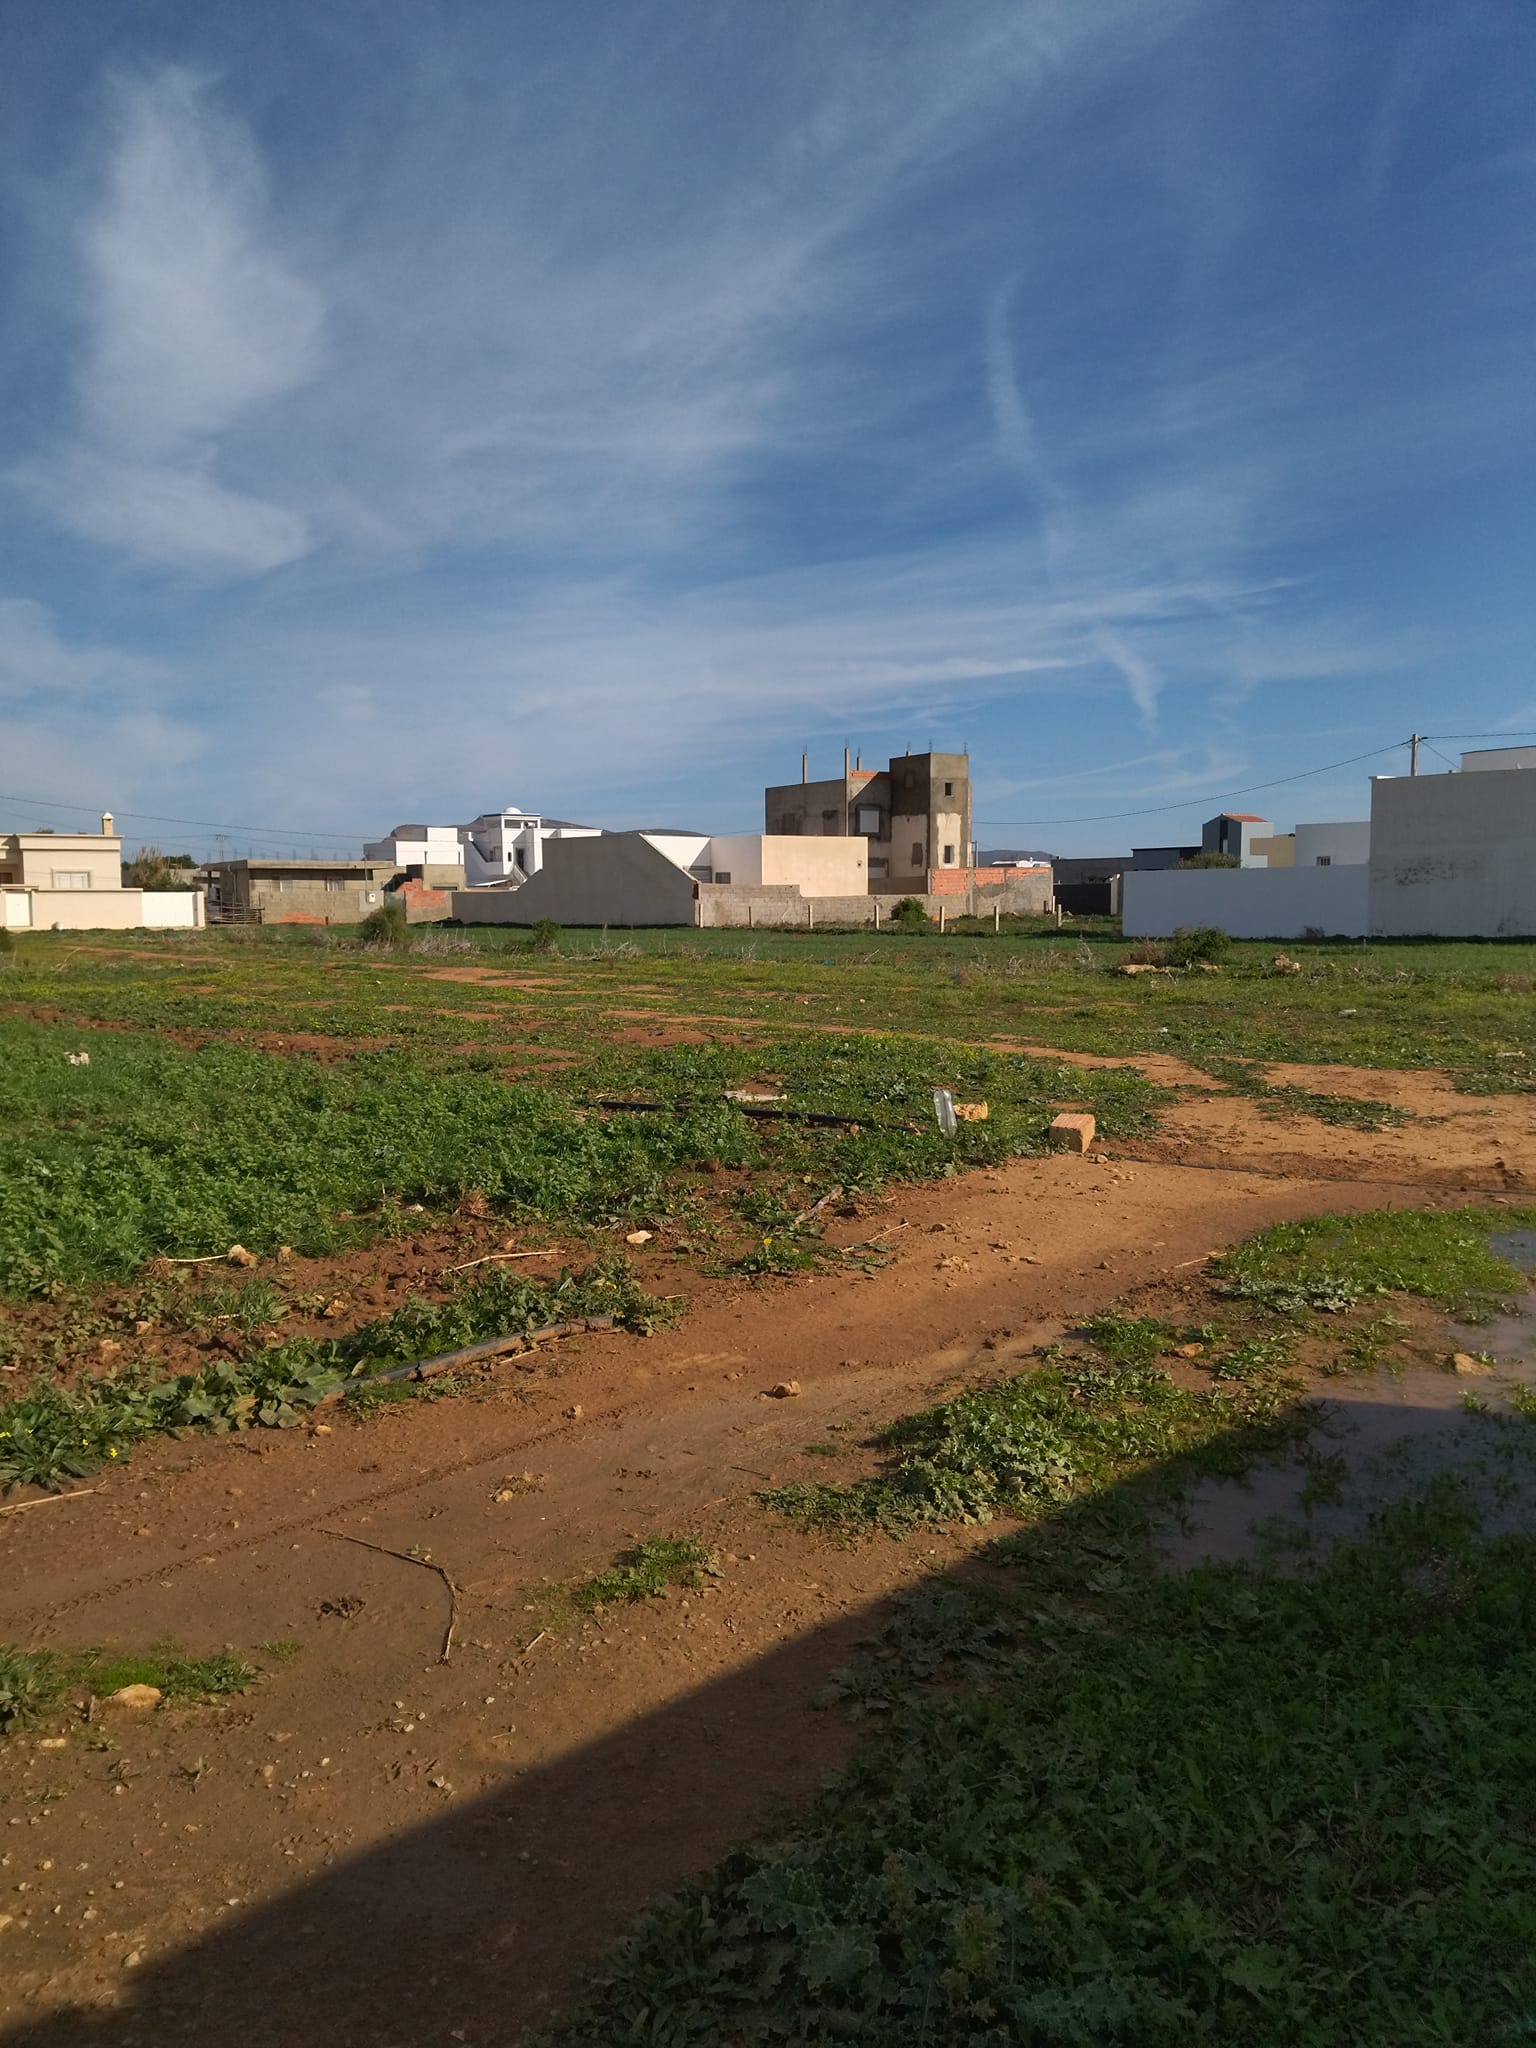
(375, 1847)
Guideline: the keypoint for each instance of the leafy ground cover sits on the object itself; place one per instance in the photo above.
(155, 1149)
(1101, 1802)
(53, 1432)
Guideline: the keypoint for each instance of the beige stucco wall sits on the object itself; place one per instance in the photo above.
(32, 858)
(1279, 849)
(86, 910)
(909, 829)
(817, 867)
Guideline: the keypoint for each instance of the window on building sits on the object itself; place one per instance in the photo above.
(917, 853)
(949, 856)
(6, 875)
(335, 884)
(869, 820)
(722, 874)
(1325, 860)
(949, 789)
(71, 878)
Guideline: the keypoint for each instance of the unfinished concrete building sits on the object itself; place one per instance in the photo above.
(915, 815)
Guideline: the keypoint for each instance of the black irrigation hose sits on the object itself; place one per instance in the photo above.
(491, 1347)
(794, 1116)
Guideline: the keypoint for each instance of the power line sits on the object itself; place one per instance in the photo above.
(1216, 797)
(44, 803)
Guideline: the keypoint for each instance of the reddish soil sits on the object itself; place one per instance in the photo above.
(375, 1847)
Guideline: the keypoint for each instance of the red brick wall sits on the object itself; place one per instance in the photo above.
(958, 881)
(421, 902)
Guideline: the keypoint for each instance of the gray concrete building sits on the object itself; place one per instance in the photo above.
(915, 815)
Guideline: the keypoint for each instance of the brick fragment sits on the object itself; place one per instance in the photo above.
(1075, 1132)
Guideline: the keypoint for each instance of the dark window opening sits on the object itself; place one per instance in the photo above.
(949, 789)
(949, 856)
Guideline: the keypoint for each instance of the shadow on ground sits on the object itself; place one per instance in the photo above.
(470, 1928)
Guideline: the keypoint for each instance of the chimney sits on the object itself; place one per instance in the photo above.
(805, 768)
(106, 824)
(859, 763)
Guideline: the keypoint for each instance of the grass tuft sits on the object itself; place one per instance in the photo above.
(647, 1570)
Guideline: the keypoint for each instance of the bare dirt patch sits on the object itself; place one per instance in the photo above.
(395, 1849)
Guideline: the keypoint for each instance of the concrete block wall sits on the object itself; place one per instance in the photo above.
(724, 904)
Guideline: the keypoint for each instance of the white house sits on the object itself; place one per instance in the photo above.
(507, 846)
(499, 848)
(419, 846)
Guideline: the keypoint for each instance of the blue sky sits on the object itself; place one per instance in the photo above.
(414, 409)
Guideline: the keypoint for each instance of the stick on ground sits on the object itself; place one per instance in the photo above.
(405, 1557)
(47, 1500)
(549, 1252)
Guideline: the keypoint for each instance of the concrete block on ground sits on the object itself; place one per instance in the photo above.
(1074, 1131)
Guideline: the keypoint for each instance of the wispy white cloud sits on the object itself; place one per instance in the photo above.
(193, 321)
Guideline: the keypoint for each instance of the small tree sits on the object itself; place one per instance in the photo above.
(910, 915)
(1211, 860)
(545, 936)
(152, 869)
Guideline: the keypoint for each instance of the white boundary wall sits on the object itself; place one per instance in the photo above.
(1248, 903)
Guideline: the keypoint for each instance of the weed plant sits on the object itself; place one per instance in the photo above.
(649, 1570)
(50, 1434)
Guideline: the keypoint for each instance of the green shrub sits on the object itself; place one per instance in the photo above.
(386, 926)
(910, 915)
(1211, 860)
(545, 936)
(1197, 942)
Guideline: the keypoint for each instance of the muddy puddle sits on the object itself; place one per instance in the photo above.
(1382, 1438)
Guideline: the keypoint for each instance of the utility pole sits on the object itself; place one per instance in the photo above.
(1413, 753)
